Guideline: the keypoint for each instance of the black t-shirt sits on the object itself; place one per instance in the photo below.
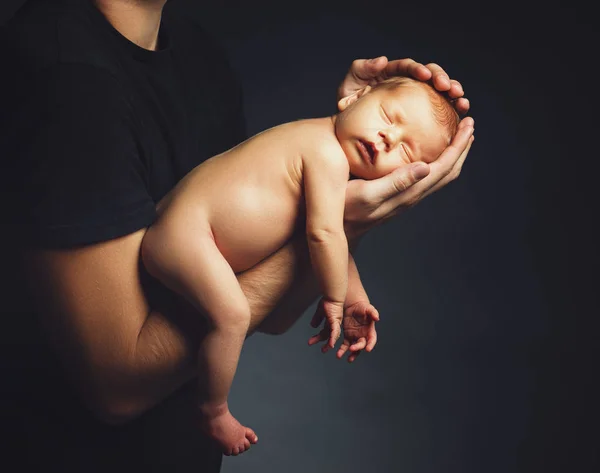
(94, 130)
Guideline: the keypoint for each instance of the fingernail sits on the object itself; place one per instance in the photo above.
(420, 171)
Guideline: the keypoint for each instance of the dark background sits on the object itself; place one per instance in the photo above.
(488, 344)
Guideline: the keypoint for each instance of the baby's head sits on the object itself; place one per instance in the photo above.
(396, 122)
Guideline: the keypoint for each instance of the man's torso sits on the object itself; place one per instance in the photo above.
(173, 124)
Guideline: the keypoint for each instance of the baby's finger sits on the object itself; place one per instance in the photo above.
(372, 340)
(319, 337)
(359, 345)
(343, 349)
(353, 356)
(373, 313)
(336, 331)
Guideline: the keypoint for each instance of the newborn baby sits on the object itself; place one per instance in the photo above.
(238, 207)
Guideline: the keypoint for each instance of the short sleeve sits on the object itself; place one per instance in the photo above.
(71, 163)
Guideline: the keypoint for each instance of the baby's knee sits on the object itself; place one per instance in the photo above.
(235, 317)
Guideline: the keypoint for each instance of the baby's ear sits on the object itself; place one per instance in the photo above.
(350, 99)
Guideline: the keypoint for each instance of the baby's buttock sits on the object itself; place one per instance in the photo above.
(249, 213)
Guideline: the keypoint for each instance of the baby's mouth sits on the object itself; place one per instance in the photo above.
(368, 151)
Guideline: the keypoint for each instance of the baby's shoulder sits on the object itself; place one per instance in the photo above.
(312, 126)
(315, 137)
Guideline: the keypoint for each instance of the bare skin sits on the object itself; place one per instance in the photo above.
(195, 248)
(124, 351)
(239, 207)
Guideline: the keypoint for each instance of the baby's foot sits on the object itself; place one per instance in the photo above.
(232, 437)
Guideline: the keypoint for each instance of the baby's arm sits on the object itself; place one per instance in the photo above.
(358, 322)
(325, 179)
(359, 317)
(356, 291)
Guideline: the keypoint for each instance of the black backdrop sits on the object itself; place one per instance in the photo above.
(488, 349)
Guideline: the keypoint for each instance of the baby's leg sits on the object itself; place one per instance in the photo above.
(188, 261)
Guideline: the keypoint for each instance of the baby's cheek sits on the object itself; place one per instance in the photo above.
(433, 156)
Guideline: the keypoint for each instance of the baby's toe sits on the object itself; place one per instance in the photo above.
(251, 436)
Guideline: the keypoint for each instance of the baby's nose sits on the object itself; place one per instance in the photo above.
(390, 138)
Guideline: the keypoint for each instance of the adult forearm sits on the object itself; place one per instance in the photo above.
(292, 284)
(279, 289)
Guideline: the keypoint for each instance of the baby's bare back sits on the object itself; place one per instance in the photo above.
(250, 197)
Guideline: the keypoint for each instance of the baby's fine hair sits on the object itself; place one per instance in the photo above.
(443, 111)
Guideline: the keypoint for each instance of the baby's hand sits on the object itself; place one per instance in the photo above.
(332, 312)
(359, 329)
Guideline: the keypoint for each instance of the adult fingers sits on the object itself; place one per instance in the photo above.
(439, 170)
(367, 69)
(360, 74)
(445, 163)
(456, 94)
(462, 105)
(442, 82)
(455, 170)
(395, 183)
(406, 67)
(440, 79)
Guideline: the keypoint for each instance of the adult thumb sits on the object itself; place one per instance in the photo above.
(419, 171)
(405, 177)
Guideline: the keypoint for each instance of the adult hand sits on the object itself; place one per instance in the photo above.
(365, 72)
(370, 203)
